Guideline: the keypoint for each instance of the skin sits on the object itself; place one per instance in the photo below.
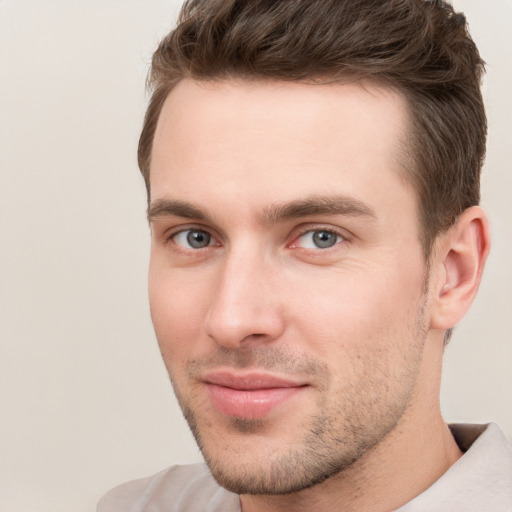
(259, 173)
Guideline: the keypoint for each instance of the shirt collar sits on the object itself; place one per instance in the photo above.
(480, 480)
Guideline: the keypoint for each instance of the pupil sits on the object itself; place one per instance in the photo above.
(198, 239)
(324, 239)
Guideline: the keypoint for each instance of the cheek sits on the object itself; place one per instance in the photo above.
(178, 308)
(358, 310)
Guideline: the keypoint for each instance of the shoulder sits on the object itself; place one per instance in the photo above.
(480, 480)
(175, 489)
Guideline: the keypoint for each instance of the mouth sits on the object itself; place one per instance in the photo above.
(250, 395)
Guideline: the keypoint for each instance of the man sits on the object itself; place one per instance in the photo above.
(313, 183)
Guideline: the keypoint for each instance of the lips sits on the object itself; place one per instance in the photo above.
(249, 396)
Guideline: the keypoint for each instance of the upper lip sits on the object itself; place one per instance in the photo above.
(249, 381)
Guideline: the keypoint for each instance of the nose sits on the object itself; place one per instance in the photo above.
(245, 308)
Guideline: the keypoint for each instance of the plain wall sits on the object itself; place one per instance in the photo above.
(85, 402)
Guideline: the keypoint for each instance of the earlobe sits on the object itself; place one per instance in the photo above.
(460, 259)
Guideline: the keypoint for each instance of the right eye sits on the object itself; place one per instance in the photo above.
(193, 239)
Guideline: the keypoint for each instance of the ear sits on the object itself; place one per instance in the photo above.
(457, 267)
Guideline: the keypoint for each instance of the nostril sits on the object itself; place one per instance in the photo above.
(255, 339)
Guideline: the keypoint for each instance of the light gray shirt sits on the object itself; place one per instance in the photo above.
(481, 480)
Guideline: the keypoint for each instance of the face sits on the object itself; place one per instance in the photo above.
(287, 281)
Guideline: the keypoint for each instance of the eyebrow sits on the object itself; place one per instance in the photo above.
(317, 205)
(170, 207)
(274, 214)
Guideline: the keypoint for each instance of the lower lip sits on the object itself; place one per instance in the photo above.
(249, 404)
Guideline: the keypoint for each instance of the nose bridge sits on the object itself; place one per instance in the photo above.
(244, 305)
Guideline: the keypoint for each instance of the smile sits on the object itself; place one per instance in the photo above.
(250, 396)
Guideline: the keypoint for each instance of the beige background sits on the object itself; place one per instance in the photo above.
(85, 402)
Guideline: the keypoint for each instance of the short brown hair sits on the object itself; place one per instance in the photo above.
(420, 48)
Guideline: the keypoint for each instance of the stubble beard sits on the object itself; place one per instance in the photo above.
(328, 446)
(318, 456)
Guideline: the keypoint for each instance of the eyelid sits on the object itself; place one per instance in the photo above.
(182, 239)
(295, 235)
(300, 231)
(171, 233)
(180, 228)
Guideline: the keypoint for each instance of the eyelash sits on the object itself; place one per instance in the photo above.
(294, 236)
(319, 229)
(172, 237)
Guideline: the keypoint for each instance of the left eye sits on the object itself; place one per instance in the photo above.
(193, 239)
(319, 239)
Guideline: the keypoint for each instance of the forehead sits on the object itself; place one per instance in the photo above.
(256, 142)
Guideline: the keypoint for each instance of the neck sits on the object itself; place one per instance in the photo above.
(416, 453)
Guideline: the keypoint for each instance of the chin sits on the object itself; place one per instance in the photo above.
(246, 460)
(283, 474)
